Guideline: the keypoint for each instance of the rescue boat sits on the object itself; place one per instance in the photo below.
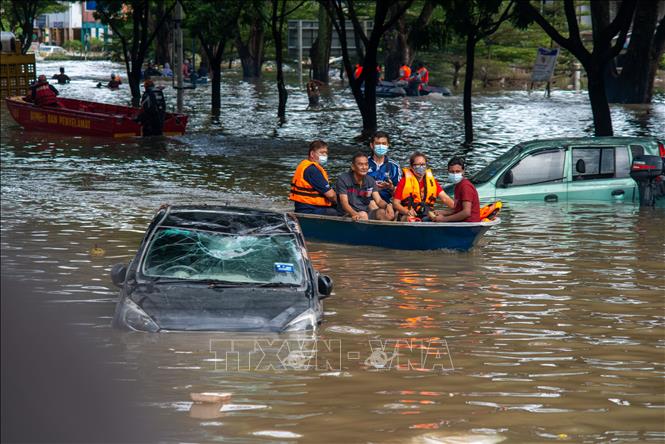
(461, 236)
(83, 118)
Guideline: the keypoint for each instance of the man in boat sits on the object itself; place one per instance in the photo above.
(386, 172)
(357, 194)
(310, 189)
(467, 204)
(153, 110)
(62, 78)
(419, 80)
(418, 191)
(43, 93)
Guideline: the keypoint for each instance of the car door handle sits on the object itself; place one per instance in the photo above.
(617, 193)
(551, 198)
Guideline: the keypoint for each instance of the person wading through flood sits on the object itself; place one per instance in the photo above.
(310, 189)
(62, 78)
(418, 191)
(42, 93)
(467, 204)
(153, 110)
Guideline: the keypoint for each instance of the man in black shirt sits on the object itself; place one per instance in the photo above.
(153, 110)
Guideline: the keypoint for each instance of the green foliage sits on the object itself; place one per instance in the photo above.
(96, 45)
(73, 45)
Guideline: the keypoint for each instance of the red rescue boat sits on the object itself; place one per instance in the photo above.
(80, 117)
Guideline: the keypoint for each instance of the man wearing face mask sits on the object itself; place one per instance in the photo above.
(384, 171)
(358, 198)
(418, 191)
(467, 204)
(310, 189)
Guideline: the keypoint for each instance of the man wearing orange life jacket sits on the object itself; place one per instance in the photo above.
(310, 189)
(418, 190)
(358, 72)
(419, 79)
(43, 93)
(404, 73)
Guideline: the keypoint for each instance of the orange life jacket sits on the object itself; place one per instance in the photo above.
(490, 212)
(358, 72)
(411, 195)
(404, 72)
(302, 191)
(44, 95)
(424, 75)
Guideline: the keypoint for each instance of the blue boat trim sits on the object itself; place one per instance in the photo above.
(397, 235)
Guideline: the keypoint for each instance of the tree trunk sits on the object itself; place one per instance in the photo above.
(639, 63)
(368, 110)
(602, 119)
(216, 70)
(468, 86)
(397, 51)
(164, 37)
(251, 53)
(134, 78)
(277, 25)
(320, 51)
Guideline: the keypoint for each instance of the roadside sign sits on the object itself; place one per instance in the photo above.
(544, 66)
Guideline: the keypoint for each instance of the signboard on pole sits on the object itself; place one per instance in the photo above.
(544, 66)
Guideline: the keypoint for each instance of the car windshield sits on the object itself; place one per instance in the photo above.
(495, 166)
(186, 254)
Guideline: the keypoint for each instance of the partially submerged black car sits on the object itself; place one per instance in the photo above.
(204, 268)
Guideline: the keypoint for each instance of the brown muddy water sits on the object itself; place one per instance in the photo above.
(552, 329)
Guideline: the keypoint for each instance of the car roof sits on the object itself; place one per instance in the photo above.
(591, 141)
(226, 219)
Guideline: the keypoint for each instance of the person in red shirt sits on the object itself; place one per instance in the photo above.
(417, 191)
(467, 205)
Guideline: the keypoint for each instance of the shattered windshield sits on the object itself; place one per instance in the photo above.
(179, 253)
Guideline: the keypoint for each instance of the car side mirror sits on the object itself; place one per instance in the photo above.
(580, 166)
(118, 274)
(325, 286)
(507, 178)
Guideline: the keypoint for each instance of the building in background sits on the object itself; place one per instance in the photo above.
(76, 23)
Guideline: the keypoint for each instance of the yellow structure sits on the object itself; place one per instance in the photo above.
(17, 71)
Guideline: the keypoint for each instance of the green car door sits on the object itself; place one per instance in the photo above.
(601, 173)
(538, 176)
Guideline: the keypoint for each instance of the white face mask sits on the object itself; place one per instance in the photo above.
(323, 159)
(455, 177)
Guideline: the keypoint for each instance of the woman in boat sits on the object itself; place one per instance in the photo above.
(467, 204)
(418, 191)
(310, 188)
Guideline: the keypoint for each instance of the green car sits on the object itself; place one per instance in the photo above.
(559, 170)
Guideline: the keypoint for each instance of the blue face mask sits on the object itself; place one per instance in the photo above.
(455, 177)
(380, 150)
(323, 159)
(420, 169)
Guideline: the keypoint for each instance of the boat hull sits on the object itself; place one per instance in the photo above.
(460, 236)
(83, 118)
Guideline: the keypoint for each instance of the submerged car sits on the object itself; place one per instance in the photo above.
(566, 169)
(205, 268)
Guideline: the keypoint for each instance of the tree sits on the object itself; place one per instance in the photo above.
(386, 14)
(475, 20)
(251, 48)
(21, 16)
(594, 62)
(402, 41)
(136, 41)
(319, 53)
(278, 17)
(213, 23)
(634, 83)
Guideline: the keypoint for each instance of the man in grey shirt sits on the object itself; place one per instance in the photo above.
(357, 194)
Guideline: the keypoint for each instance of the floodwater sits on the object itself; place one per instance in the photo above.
(552, 329)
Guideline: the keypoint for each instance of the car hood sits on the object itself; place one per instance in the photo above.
(199, 307)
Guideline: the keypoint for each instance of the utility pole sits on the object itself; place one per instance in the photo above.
(178, 53)
(300, 51)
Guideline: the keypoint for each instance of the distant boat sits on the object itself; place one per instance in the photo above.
(398, 235)
(80, 117)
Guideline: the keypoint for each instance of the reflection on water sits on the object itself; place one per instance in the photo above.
(551, 329)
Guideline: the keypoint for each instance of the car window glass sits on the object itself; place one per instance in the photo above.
(539, 168)
(599, 163)
(637, 150)
(177, 253)
(622, 163)
(495, 166)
